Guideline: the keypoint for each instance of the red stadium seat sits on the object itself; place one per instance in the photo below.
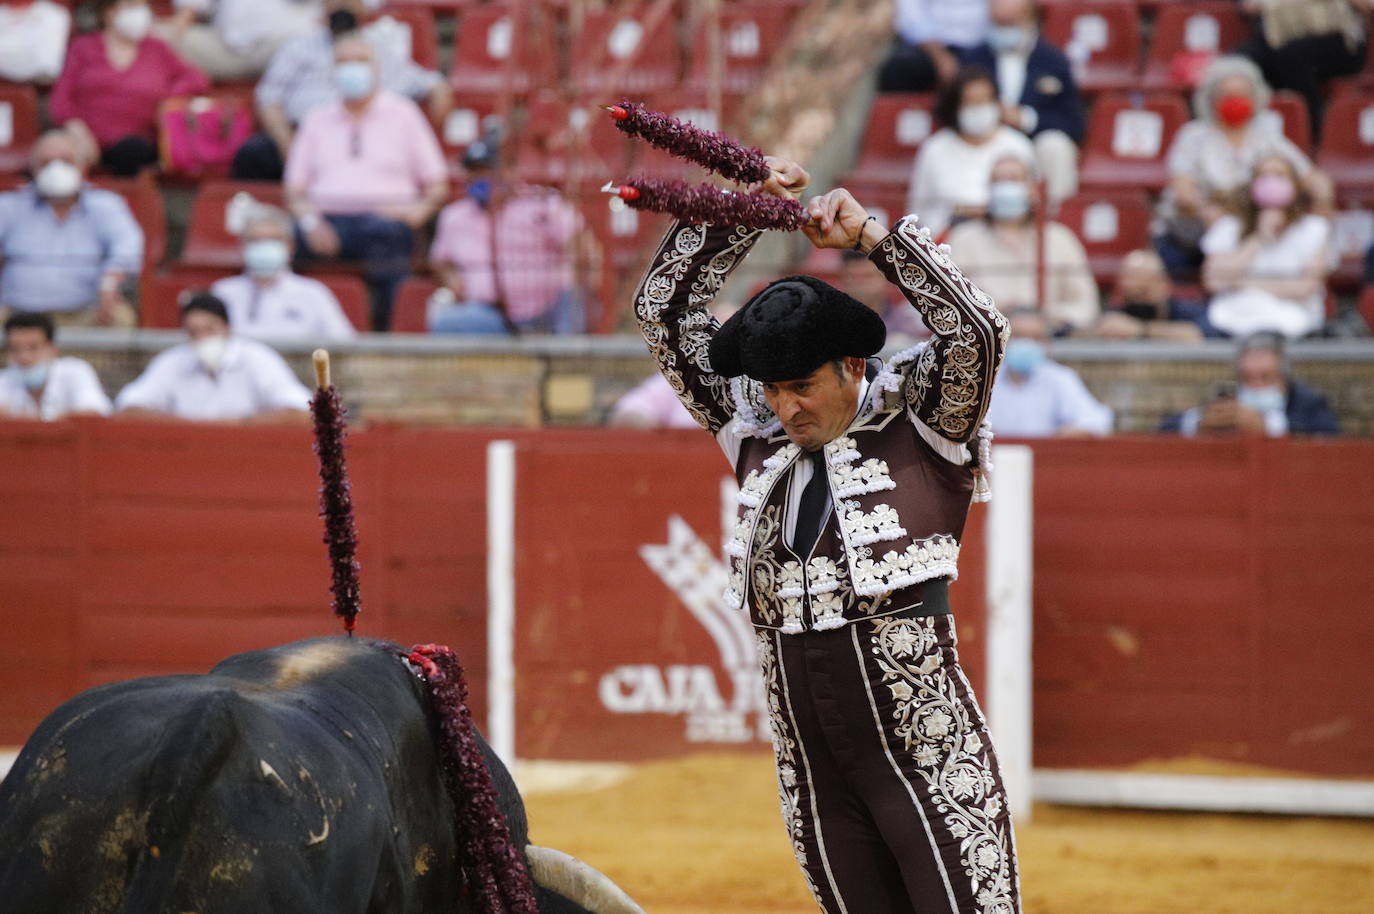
(1128, 139)
(897, 126)
(209, 241)
(1201, 29)
(1103, 36)
(19, 126)
(1347, 147)
(416, 24)
(1367, 307)
(750, 33)
(353, 297)
(408, 310)
(145, 201)
(621, 54)
(465, 123)
(495, 51)
(1110, 225)
(1290, 108)
(160, 295)
(558, 137)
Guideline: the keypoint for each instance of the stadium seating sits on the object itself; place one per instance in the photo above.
(408, 309)
(19, 126)
(423, 36)
(750, 35)
(1110, 224)
(1128, 139)
(897, 126)
(1197, 30)
(160, 296)
(209, 240)
(1347, 147)
(494, 52)
(620, 54)
(1103, 37)
(1290, 108)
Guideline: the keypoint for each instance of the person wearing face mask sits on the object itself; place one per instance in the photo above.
(364, 174)
(1264, 400)
(1212, 156)
(524, 275)
(300, 78)
(1037, 91)
(38, 382)
(1036, 397)
(270, 302)
(1145, 308)
(113, 82)
(1001, 253)
(67, 248)
(1266, 268)
(949, 179)
(215, 376)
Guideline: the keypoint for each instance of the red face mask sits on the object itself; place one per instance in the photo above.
(1235, 110)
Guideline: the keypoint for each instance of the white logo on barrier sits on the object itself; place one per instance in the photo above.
(715, 712)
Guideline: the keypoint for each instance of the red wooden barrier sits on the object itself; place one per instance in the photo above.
(1192, 598)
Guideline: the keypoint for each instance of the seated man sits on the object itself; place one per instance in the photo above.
(931, 37)
(67, 248)
(363, 175)
(300, 78)
(215, 376)
(268, 301)
(1263, 400)
(39, 383)
(1040, 398)
(525, 278)
(1144, 306)
(1037, 90)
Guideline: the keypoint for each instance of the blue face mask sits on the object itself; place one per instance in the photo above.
(1024, 356)
(353, 79)
(34, 376)
(1004, 38)
(1262, 399)
(479, 189)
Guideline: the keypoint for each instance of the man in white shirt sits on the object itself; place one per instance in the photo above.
(215, 376)
(270, 302)
(38, 383)
(1039, 398)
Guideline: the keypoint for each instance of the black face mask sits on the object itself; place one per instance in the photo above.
(1142, 311)
(341, 22)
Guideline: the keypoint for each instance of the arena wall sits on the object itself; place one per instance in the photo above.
(1203, 598)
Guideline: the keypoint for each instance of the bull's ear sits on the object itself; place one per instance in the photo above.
(576, 881)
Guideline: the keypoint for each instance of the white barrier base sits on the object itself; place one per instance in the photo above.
(1287, 796)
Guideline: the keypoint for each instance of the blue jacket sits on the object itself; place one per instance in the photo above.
(1050, 88)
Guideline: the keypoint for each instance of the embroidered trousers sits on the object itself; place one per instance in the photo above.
(890, 789)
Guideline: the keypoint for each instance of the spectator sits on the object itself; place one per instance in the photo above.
(301, 78)
(1145, 307)
(1263, 400)
(651, 404)
(531, 285)
(950, 178)
(1301, 44)
(268, 301)
(1036, 397)
(39, 383)
(1213, 155)
(113, 82)
(216, 376)
(1267, 267)
(33, 41)
(931, 37)
(364, 174)
(68, 248)
(1038, 93)
(1001, 251)
(237, 38)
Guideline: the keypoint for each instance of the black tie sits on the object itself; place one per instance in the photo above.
(815, 505)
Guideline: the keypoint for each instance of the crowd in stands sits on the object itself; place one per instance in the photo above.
(1062, 169)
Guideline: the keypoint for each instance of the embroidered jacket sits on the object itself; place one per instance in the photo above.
(901, 475)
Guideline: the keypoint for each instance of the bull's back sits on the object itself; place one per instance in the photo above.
(301, 778)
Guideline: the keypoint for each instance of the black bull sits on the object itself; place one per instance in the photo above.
(302, 778)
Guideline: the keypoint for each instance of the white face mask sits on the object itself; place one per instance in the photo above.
(210, 351)
(133, 22)
(1262, 399)
(58, 180)
(34, 376)
(1008, 201)
(979, 120)
(265, 257)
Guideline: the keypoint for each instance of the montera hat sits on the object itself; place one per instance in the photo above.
(792, 327)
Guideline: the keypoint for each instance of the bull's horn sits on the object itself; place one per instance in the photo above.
(576, 881)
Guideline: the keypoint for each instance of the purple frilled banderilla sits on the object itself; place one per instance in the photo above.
(336, 503)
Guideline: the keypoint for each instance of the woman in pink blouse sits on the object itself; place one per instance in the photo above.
(113, 81)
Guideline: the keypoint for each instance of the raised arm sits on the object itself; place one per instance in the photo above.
(687, 272)
(950, 385)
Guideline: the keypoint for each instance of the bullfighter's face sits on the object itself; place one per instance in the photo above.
(818, 408)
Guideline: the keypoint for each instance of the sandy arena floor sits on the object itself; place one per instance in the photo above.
(703, 836)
